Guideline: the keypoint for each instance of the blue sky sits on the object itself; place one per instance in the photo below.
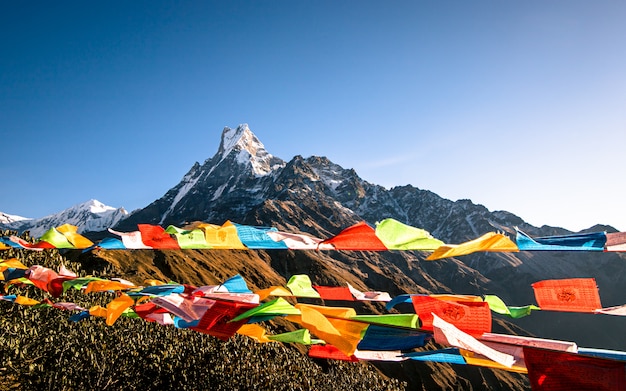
(518, 106)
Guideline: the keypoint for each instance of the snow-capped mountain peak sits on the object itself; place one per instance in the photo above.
(89, 216)
(246, 148)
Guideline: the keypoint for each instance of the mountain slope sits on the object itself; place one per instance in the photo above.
(244, 183)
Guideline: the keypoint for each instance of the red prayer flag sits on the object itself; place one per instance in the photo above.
(156, 237)
(573, 295)
(145, 309)
(334, 292)
(472, 317)
(55, 286)
(329, 352)
(216, 320)
(550, 370)
(359, 237)
(40, 245)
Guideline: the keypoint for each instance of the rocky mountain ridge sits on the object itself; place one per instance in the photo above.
(89, 216)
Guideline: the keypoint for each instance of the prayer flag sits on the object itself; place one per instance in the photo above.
(491, 241)
(572, 295)
(188, 238)
(56, 239)
(116, 307)
(497, 305)
(257, 237)
(217, 320)
(551, 371)
(359, 237)
(155, 236)
(369, 296)
(379, 337)
(551, 344)
(447, 334)
(575, 242)
(76, 239)
(300, 286)
(398, 236)
(447, 355)
(295, 241)
(330, 352)
(224, 236)
(472, 317)
(276, 307)
(615, 241)
(334, 292)
(131, 240)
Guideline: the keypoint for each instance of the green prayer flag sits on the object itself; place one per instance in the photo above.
(278, 306)
(56, 238)
(78, 283)
(301, 336)
(300, 286)
(398, 236)
(497, 305)
(399, 320)
(192, 239)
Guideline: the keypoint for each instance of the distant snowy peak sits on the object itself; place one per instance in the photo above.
(95, 206)
(90, 216)
(8, 219)
(245, 148)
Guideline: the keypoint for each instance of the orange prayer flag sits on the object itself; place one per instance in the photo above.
(98, 311)
(342, 333)
(273, 291)
(472, 317)
(333, 312)
(359, 237)
(573, 295)
(254, 331)
(117, 307)
(71, 233)
(105, 285)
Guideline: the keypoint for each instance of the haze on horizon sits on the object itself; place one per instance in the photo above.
(516, 106)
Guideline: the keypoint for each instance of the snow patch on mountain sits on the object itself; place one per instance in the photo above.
(6, 218)
(331, 175)
(188, 183)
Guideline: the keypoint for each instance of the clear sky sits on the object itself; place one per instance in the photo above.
(518, 106)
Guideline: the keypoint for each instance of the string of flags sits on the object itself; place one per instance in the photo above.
(462, 324)
(388, 234)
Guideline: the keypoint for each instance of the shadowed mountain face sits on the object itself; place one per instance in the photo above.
(244, 183)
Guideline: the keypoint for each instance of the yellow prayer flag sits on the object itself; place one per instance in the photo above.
(23, 300)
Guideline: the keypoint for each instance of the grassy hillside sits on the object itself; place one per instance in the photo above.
(42, 349)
